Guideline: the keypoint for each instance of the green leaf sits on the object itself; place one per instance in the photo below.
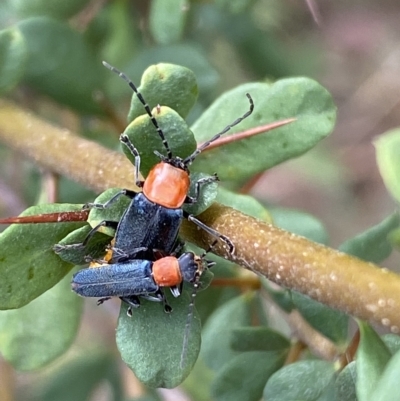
(151, 342)
(388, 384)
(394, 238)
(387, 156)
(234, 6)
(372, 358)
(95, 248)
(165, 85)
(13, 59)
(301, 98)
(282, 297)
(113, 30)
(144, 137)
(208, 301)
(79, 378)
(345, 384)
(392, 342)
(167, 20)
(208, 194)
(112, 213)
(373, 245)
(300, 223)
(189, 55)
(28, 264)
(330, 322)
(52, 8)
(216, 350)
(39, 332)
(261, 338)
(305, 381)
(7, 14)
(245, 203)
(60, 64)
(244, 377)
(200, 374)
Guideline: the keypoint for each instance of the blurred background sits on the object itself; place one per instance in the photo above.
(351, 48)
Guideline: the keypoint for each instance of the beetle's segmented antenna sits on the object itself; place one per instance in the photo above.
(145, 105)
(189, 323)
(191, 158)
(196, 286)
(124, 139)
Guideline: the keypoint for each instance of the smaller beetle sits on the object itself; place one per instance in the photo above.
(133, 279)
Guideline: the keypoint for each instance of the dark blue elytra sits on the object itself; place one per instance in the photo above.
(148, 224)
(124, 279)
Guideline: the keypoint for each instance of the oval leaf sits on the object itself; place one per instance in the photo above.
(28, 264)
(53, 8)
(79, 378)
(184, 54)
(168, 85)
(301, 98)
(60, 64)
(372, 358)
(167, 20)
(387, 156)
(13, 58)
(282, 297)
(245, 203)
(305, 381)
(330, 322)
(388, 384)
(258, 339)
(394, 238)
(345, 384)
(373, 245)
(235, 313)
(38, 333)
(145, 138)
(151, 342)
(300, 223)
(392, 342)
(244, 377)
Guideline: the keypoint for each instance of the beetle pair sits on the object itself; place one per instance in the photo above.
(151, 222)
(131, 279)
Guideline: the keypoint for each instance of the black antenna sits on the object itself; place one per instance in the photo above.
(189, 322)
(196, 286)
(191, 158)
(124, 139)
(145, 105)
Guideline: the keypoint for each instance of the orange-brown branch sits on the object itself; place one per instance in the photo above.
(336, 279)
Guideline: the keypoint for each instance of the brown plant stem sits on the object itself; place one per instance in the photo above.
(60, 151)
(315, 341)
(336, 279)
(295, 352)
(351, 350)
